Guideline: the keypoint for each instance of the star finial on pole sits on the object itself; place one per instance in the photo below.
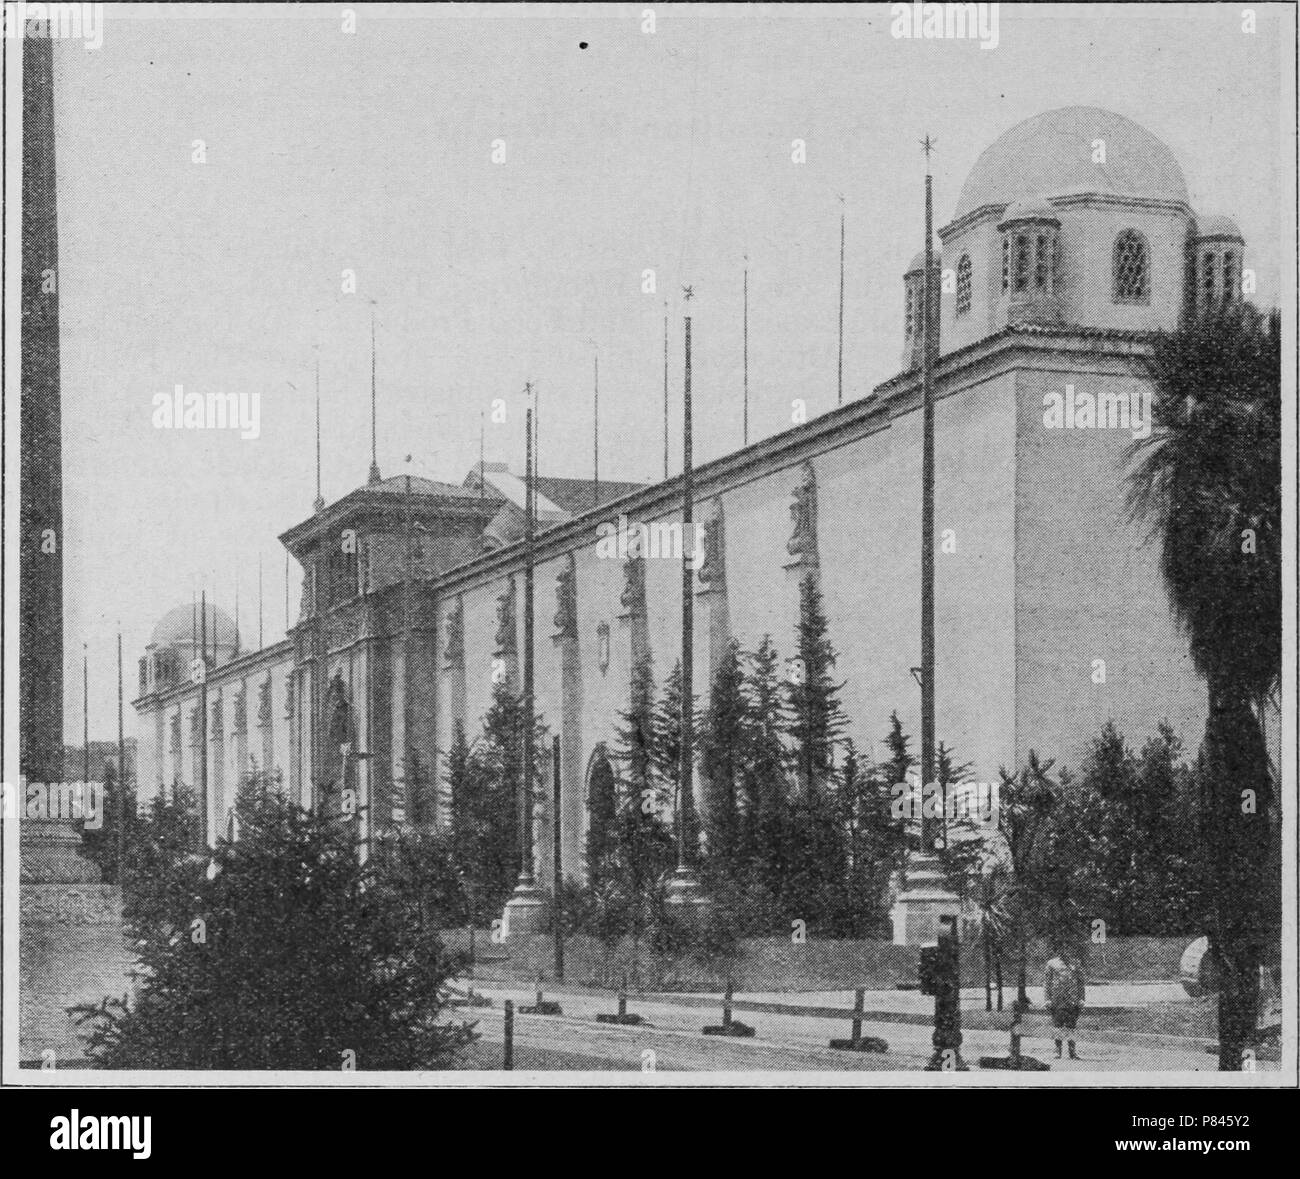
(928, 145)
(688, 293)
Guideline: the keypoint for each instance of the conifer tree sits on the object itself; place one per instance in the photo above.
(764, 782)
(723, 754)
(815, 721)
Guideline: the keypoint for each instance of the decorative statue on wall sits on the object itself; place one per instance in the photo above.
(506, 638)
(803, 513)
(713, 569)
(264, 703)
(453, 651)
(215, 735)
(633, 599)
(241, 709)
(566, 600)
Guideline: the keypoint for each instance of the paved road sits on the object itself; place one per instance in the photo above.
(786, 1042)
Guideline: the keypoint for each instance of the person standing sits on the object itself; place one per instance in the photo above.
(1064, 990)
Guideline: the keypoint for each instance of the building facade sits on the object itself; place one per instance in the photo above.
(1072, 240)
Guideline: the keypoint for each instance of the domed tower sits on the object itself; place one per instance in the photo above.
(1215, 249)
(1077, 217)
(176, 642)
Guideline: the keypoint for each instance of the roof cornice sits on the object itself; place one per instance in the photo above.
(1066, 201)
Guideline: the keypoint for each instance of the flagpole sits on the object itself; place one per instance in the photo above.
(839, 387)
(527, 908)
(665, 390)
(684, 887)
(121, 763)
(745, 353)
(927, 507)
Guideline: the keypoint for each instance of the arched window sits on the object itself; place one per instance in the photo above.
(908, 324)
(1041, 263)
(1022, 262)
(1006, 263)
(1207, 278)
(963, 285)
(1229, 276)
(1132, 268)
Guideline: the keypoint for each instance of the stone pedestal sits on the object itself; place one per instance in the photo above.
(71, 947)
(684, 892)
(527, 911)
(922, 901)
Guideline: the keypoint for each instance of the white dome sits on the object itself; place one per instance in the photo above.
(180, 624)
(1053, 153)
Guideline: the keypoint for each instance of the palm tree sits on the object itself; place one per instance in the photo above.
(1208, 484)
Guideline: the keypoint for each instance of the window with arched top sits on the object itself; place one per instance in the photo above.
(1131, 268)
(1229, 276)
(1006, 264)
(963, 285)
(1021, 274)
(1208, 277)
(910, 315)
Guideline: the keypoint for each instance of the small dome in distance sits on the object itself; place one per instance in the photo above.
(917, 265)
(179, 625)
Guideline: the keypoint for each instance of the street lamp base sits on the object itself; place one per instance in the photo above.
(684, 890)
(527, 911)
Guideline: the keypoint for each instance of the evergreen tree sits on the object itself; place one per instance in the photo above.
(117, 811)
(642, 848)
(290, 955)
(666, 749)
(876, 845)
(765, 818)
(490, 776)
(723, 754)
(814, 727)
(815, 721)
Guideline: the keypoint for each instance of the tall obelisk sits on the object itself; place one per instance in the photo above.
(40, 562)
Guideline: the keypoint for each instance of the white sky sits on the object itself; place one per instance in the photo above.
(371, 151)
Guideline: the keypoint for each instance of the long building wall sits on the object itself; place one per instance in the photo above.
(1038, 573)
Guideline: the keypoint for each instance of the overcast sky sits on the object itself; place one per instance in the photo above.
(371, 151)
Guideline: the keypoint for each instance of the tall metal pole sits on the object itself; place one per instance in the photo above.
(319, 502)
(557, 923)
(526, 826)
(688, 615)
(374, 460)
(203, 719)
(927, 508)
(85, 715)
(839, 386)
(684, 889)
(412, 802)
(745, 349)
(665, 390)
(121, 763)
(260, 644)
(595, 438)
